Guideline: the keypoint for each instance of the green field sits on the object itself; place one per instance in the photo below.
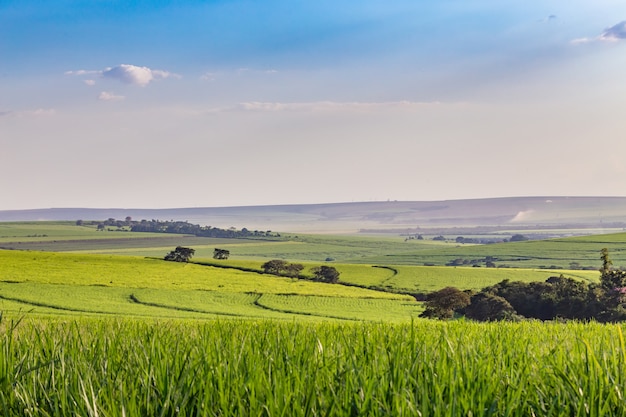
(559, 253)
(562, 253)
(47, 282)
(92, 367)
(98, 324)
(87, 272)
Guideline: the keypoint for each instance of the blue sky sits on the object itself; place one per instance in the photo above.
(219, 103)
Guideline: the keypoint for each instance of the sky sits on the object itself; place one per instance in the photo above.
(164, 104)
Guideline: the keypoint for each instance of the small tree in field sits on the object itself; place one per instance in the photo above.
(293, 270)
(221, 253)
(274, 267)
(180, 254)
(325, 273)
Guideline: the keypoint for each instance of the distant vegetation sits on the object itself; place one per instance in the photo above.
(180, 254)
(179, 227)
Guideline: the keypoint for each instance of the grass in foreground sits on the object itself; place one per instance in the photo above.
(243, 368)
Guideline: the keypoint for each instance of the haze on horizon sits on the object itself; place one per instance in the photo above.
(228, 103)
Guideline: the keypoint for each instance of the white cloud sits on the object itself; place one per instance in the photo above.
(28, 113)
(106, 96)
(614, 33)
(329, 106)
(130, 74)
(580, 41)
(90, 82)
(83, 72)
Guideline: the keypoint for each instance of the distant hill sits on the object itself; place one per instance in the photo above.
(390, 216)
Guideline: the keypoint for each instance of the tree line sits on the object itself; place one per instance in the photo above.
(556, 298)
(278, 267)
(180, 227)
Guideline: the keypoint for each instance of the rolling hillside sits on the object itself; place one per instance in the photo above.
(390, 216)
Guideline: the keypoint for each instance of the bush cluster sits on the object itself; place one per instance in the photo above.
(556, 298)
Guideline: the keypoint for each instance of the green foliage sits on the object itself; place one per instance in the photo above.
(489, 307)
(557, 297)
(442, 304)
(221, 253)
(611, 280)
(180, 227)
(180, 254)
(324, 273)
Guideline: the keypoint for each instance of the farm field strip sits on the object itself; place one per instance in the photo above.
(552, 253)
(584, 250)
(354, 309)
(432, 278)
(133, 272)
(113, 301)
(52, 298)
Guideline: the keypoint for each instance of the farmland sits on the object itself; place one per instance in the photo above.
(97, 323)
(118, 272)
(558, 253)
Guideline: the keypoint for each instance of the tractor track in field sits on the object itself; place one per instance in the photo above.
(135, 300)
(301, 313)
(52, 306)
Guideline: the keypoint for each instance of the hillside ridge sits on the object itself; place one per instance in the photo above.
(373, 215)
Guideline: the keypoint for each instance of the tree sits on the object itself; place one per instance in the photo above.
(610, 278)
(325, 273)
(221, 253)
(274, 267)
(489, 307)
(613, 284)
(180, 254)
(293, 270)
(442, 304)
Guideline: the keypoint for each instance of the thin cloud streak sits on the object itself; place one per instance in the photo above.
(29, 113)
(107, 96)
(321, 106)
